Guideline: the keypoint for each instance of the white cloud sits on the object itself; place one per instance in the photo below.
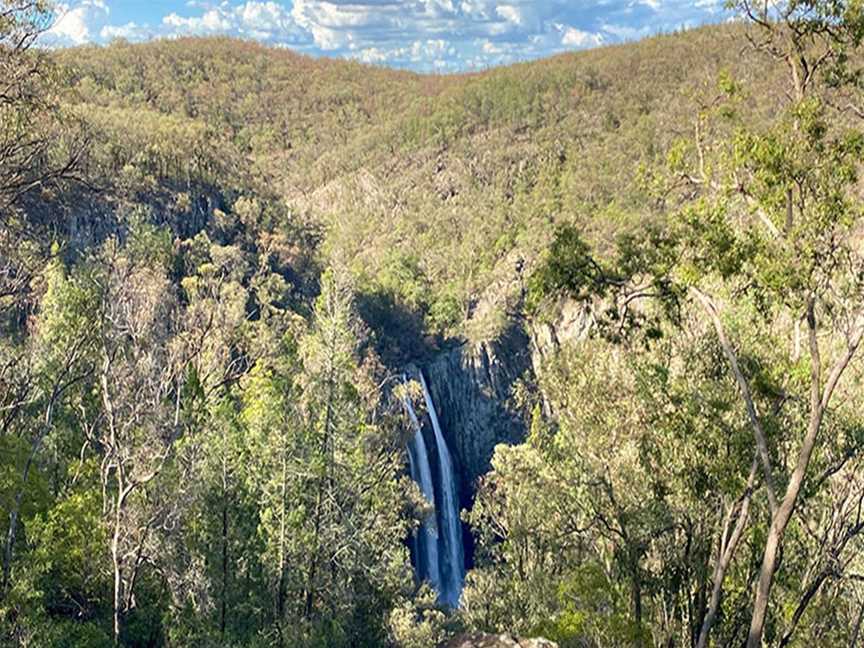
(77, 25)
(131, 31)
(264, 21)
(265, 16)
(213, 21)
(420, 34)
(510, 14)
(572, 37)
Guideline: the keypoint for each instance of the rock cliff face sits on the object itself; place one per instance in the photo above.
(89, 220)
(571, 323)
(471, 387)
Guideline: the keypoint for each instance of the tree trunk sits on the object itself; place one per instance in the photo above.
(779, 522)
(118, 575)
(223, 608)
(728, 544)
(781, 513)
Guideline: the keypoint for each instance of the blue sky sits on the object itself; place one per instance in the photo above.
(423, 35)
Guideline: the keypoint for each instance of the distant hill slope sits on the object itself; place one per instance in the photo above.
(430, 187)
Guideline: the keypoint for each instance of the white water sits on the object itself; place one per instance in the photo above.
(453, 565)
(428, 566)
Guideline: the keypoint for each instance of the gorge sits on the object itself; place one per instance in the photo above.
(467, 396)
(299, 352)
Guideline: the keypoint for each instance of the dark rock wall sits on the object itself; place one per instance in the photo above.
(471, 387)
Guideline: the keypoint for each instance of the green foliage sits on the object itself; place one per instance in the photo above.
(569, 269)
(625, 490)
(66, 313)
(15, 452)
(68, 541)
(585, 602)
(72, 634)
(148, 244)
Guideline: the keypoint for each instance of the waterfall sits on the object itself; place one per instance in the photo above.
(453, 565)
(427, 542)
(441, 558)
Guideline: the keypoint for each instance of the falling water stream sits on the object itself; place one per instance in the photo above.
(421, 473)
(441, 556)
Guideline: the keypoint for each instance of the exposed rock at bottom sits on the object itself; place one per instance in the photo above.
(481, 640)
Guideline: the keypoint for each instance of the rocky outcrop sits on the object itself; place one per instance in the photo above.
(472, 384)
(471, 387)
(570, 323)
(88, 220)
(497, 641)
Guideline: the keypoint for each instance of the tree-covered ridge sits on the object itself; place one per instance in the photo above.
(391, 161)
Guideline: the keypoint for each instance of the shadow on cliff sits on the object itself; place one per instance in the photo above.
(471, 386)
(396, 332)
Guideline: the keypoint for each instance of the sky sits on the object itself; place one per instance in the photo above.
(422, 35)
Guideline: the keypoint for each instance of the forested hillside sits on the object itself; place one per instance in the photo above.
(226, 271)
(429, 188)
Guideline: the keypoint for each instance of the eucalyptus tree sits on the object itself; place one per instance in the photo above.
(41, 143)
(356, 559)
(139, 378)
(776, 218)
(762, 238)
(322, 455)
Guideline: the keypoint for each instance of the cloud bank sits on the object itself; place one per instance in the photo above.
(424, 35)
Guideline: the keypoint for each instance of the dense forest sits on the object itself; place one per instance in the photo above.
(633, 277)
